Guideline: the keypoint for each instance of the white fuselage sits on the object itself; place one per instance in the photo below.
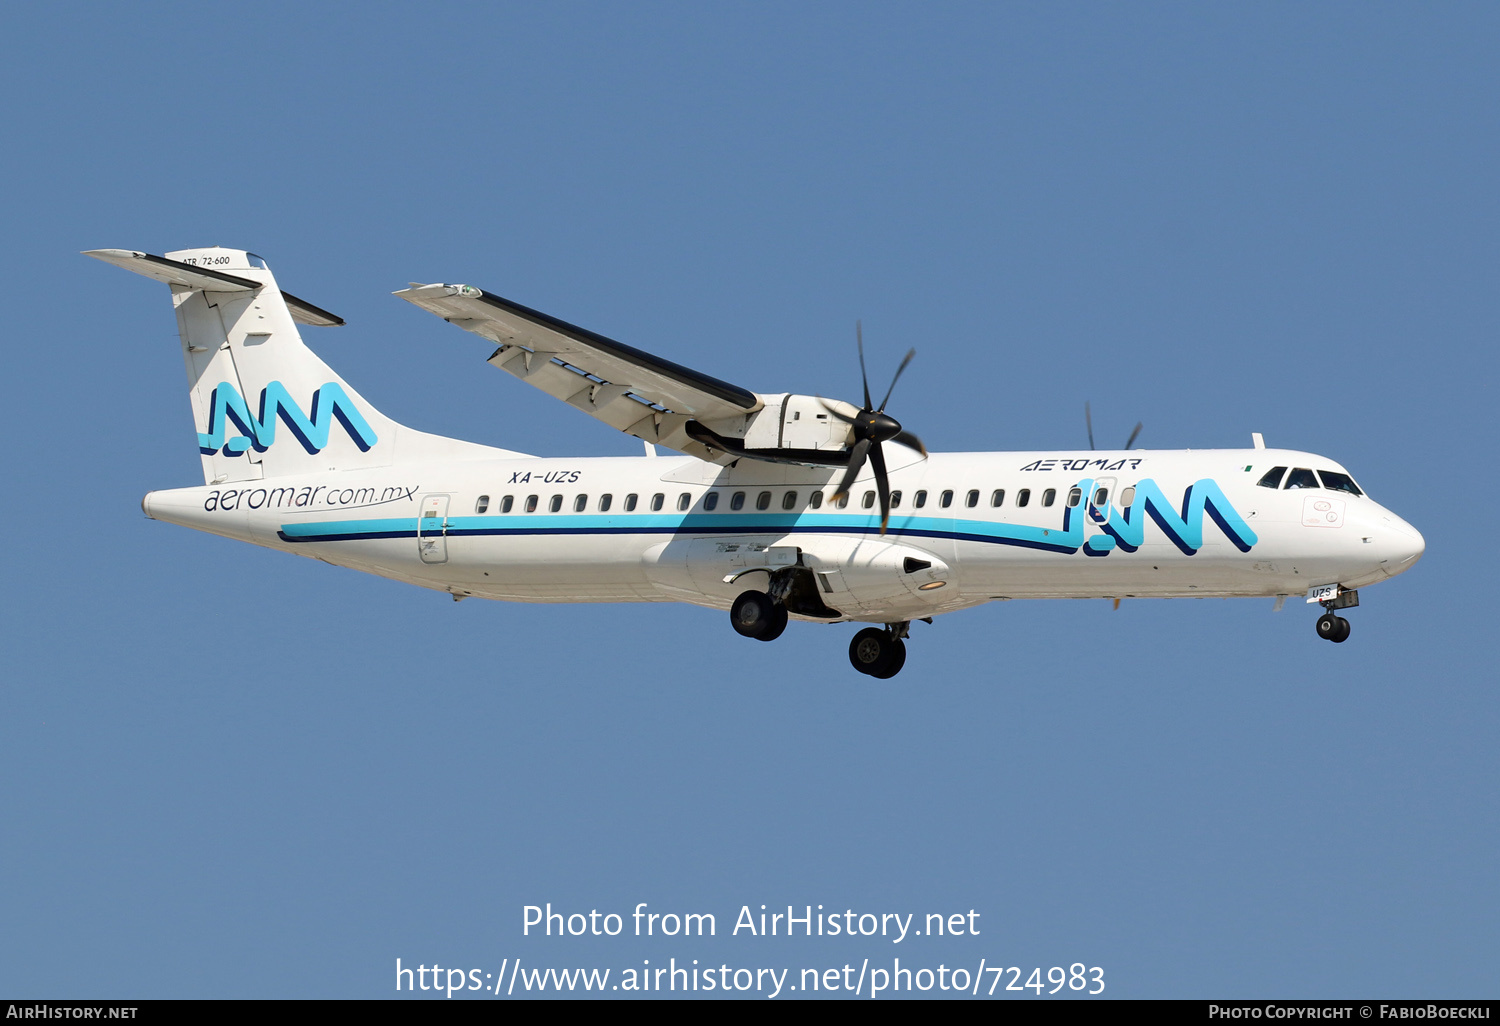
(1141, 523)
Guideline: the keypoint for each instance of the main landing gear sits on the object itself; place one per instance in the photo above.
(757, 615)
(1331, 626)
(876, 651)
(879, 651)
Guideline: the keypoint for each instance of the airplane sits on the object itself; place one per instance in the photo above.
(780, 507)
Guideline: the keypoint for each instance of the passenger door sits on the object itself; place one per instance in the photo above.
(432, 529)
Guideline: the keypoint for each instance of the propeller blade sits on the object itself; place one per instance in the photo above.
(911, 441)
(882, 485)
(1134, 434)
(1088, 419)
(856, 463)
(864, 379)
(841, 416)
(909, 354)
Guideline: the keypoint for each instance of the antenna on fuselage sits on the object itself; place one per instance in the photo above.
(1088, 422)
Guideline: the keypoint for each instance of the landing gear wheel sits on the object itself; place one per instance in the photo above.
(755, 615)
(873, 651)
(776, 626)
(1328, 626)
(898, 660)
(1333, 628)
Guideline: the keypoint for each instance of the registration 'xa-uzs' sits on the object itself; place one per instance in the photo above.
(782, 507)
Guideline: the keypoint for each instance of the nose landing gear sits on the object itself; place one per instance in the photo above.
(1331, 626)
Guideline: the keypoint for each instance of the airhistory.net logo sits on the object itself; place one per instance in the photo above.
(329, 403)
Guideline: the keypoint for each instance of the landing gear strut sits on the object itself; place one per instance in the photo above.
(756, 615)
(879, 652)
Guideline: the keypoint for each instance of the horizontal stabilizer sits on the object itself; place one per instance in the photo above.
(175, 272)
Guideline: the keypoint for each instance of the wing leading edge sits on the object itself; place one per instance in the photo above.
(630, 390)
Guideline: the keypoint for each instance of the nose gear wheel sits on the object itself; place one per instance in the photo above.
(1333, 628)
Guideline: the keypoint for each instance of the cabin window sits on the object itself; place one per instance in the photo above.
(1023, 497)
(1049, 496)
(531, 501)
(555, 504)
(1101, 496)
(997, 497)
(972, 499)
(483, 505)
(946, 499)
(1336, 482)
(657, 501)
(1075, 496)
(580, 504)
(815, 500)
(763, 500)
(843, 501)
(789, 500)
(1127, 497)
(895, 499)
(868, 501)
(630, 501)
(1301, 477)
(506, 504)
(737, 500)
(711, 501)
(684, 501)
(1272, 478)
(919, 500)
(604, 501)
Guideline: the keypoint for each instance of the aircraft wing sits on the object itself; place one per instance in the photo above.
(630, 390)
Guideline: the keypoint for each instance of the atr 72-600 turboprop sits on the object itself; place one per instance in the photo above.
(783, 507)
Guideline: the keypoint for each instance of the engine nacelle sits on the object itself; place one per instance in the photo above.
(787, 428)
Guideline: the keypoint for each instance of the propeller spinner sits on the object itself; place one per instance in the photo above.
(870, 427)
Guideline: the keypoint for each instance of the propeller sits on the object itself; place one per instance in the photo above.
(870, 427)
(1088, 421)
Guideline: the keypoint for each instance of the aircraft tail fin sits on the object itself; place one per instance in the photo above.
(266, 405)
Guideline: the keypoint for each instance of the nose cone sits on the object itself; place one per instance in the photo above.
(1404, 545)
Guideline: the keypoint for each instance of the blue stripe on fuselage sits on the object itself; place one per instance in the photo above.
(1050, 539)
(1125, 527)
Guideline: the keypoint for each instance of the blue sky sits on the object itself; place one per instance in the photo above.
(230, 773)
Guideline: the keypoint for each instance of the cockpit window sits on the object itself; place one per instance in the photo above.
(1336, 482)
(1272, 478)
(1301, 477)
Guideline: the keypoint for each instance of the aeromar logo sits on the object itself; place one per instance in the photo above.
(258, 431)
